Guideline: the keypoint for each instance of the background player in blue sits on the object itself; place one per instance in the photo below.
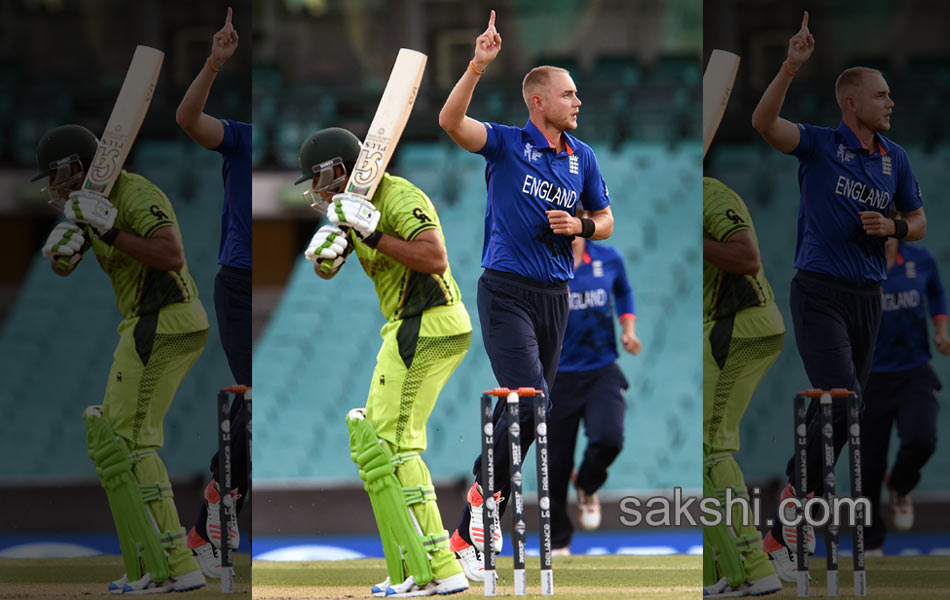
(589, 385)
(536, 176)
(232, 285)
(902, 386)
(849, 176)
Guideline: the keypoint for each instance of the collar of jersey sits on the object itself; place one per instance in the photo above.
(541, 142)
(856, 144)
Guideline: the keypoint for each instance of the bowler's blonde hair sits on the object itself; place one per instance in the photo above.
(536, 80)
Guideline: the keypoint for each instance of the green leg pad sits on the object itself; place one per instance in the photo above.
(138, 536)
(401, 540)
(419, 494)
(738, 549)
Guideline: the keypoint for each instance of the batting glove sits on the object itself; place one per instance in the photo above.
(92, 209)
(328, 242)
(349, 210)
(66, 244)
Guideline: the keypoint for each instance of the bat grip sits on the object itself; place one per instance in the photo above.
(326, 264)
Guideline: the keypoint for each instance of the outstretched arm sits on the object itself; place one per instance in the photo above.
(781, 134)
(464, 130)
(203, 128)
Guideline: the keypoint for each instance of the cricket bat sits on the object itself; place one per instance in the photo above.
(125, 120)
(387, 126)
(717, 86)
(123, 125)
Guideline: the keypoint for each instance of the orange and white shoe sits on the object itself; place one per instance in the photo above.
(213, 527)
(476, 529)
(471, 560)
(790, 532)
(783, 560)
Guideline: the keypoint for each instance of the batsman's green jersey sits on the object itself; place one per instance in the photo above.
(428, 330)
(143, 209)
(404, 293)
(726, 294)
(164, 327)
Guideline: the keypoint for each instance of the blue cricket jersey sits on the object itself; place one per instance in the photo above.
(235, 247)
(903, 342)
(840, 177)
(589, 341)
(525, 178)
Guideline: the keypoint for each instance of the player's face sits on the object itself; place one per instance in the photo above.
(562, 102)
(873, 103)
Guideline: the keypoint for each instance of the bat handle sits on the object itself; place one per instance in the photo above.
(62, 263)
(326, 264)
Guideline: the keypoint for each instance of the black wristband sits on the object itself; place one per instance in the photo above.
(373, 239)
(587, 227)
(109, 236)
(900, 229)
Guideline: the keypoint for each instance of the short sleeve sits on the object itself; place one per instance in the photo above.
(409, 214)
(936, 298)
(595, 195)
(623, 293)
(723, 213)
(807, 140)
(907, 197)
(148, 211)
(231, 142)
(494, 141)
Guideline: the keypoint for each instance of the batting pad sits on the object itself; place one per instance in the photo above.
(400, 538)
(738, 548)
(138, 538)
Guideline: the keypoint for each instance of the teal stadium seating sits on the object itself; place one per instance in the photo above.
(314, 359)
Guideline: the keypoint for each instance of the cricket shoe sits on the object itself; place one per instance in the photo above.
(760, 587)
(588, 507)
(470, 559)
(476, 529)
(902, 512)
(783, 560)
(565, 551)
(213, 526)
(184, 583)
(379, 590)
(116, 587)
(790, 532)
(443, 587)
(208, 557)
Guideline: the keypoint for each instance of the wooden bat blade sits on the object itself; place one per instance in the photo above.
(388, 124)
(126, 119)
(717, 86)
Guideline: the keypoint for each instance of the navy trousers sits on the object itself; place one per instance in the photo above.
(232, 307)
(836, 324)
(910, 399)
(596, 397)
(522, 323)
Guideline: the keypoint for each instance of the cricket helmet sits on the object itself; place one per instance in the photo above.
(63, 142)
(320, 150)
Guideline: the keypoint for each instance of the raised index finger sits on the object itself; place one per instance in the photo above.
(227, 20)
(491, 20)
(805, 21)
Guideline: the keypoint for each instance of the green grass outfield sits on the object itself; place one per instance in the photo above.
(588, 577)
(890, 577)
(89, 577)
